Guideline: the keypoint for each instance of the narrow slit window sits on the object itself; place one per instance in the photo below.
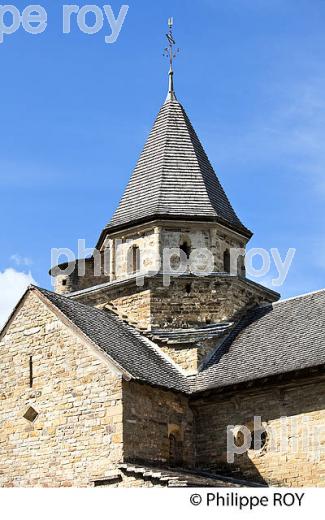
(226, 261)
(31, 371)
(175, 450)
(134, 259)
(186, 248)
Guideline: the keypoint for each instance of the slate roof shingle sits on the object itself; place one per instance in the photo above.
(134, 353)
(276, 339)
(283, 337)
(180, 477)
(174, 177)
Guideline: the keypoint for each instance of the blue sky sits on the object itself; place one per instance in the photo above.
(75, 113)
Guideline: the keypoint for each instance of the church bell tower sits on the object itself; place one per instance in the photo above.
(173, 220)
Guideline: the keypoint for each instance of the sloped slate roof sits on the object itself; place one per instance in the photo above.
(134, 353)
(189, 335)
(179, 477)
(271, 340)
(174, 177)
(282, 337)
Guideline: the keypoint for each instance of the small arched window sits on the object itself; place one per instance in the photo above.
(226, 261)
(134, 259)
(175, 450)
(258, 440)
(185, 246)
(251, 438)
(241, 265)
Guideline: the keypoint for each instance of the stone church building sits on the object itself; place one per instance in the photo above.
(138, 373)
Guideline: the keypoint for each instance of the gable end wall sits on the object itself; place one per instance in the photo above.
(77, 436)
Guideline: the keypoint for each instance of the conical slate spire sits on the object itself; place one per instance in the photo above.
(173, 178)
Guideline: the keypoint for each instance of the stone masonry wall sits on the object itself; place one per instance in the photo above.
(301, 463)
(129, 302)
(149, 416)
(89, 420)
(148, 244)
(77, 436)
(155, 239)
(192, 302)
(189, 356)
(84, 275)
(186, 302)
(135, 308)
(214, 238)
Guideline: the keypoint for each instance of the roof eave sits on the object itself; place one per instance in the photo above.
(241, 229)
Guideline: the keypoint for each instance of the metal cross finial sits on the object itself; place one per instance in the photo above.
(171, 53)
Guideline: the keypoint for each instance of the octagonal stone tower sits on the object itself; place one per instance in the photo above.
(173, 203)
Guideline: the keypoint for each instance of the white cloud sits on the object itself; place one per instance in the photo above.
(12, 286)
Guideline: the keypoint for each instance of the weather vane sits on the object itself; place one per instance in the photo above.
(171, 53)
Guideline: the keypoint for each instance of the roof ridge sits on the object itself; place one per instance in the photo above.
(180, 382)
(190, 129)
(44, 294)
(145, 339)
(304, 295)
(167, 103)
(221, 348)
(266, 342)
(198, 151)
